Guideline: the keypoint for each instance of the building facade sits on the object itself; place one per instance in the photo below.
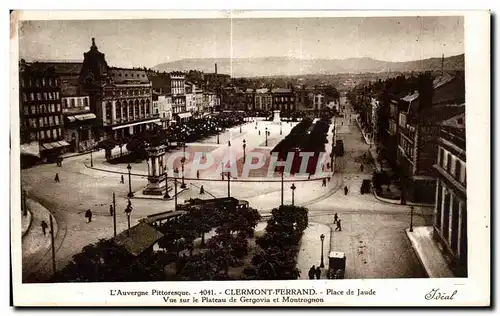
(283, 99)
(40, 111)
(450, 211)
(263, 99)
(121, 98)
(78, 123)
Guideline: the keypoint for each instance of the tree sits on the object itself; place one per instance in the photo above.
(107, 145)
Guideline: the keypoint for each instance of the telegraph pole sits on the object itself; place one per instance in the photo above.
(52, 244)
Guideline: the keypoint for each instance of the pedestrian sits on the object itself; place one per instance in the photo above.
(197, 174)
(88, 216)
(111, 210)
(339, 226)
(122, 179)
(56, 178)
(202, 190)
(60, 161)
(312, 271)
(335, 218)
(329, 178)
(346, 190)
(327, 165)
(361, 167)
(318, 273)
(44, 227)
(259, 131)
(324, 182)
(222, 175)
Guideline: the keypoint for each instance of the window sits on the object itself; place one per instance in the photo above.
(47, 133)
(22, 83)
(457, 170)
(25, 97)
(40, 122)
(32, 136)
(51, 120)
(33, 109)
(79, 102)
(39, 96)
(54, 133)
(53, 108)
(72, 102)
(37, 82)
(59, 131)
(402, 120)
(42, 135)
(58, 107)
(46, 121)
(43, 82)
(448, 163)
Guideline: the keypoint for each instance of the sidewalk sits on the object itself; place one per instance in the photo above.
(310, 249)
(428, 252)
(35, 244)
(367, 140)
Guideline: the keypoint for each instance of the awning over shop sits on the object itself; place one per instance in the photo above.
(81, 117)
(184, 115)
(32, 149)
(136, 123)
(53, 145)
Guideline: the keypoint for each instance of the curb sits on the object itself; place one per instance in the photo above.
(29, 224)
(398, 202)
(407, 234)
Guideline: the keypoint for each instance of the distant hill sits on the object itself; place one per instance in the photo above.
(284, 66)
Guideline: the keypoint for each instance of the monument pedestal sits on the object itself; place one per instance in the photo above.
(156, 176)
(276, 116)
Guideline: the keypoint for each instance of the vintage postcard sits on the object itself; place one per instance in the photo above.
(234, 158)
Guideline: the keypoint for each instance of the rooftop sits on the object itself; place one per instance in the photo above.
(138, 238)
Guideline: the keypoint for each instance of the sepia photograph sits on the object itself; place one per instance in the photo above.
(243, 148)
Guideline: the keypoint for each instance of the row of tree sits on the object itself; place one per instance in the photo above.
(280, 245)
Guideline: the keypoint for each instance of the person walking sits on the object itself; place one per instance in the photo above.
(197, 174)
(324, 182)
(56, 178)
(361, 167)
(259, 130)
(346, 190)
(312, 271)
(88, 216)
(335, 218)
(111, 210)
(318, 273)
(202, 190)
(122, 180)
(339, 226)
(44, 227)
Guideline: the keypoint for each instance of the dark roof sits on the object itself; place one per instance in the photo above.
(60, 68)
(124, 75)
(138, 238)
(440, 113)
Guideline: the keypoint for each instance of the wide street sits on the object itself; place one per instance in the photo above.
(372, 235)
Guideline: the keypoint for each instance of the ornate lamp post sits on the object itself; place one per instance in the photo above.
(128, 211)
(183, 161)
(218, 132)
(322, 237)
(130, 194)
(91, 159)
(281, 128)
(244, 150)
(167, 196)
(176, 172)
(266, 136)
(411, 218)
(293, 187)
(240, 129)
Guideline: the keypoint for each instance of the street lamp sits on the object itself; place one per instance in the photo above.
(322, 237)
(91, 160)
(282, 184)
(128, 211)
(266, 136)
(281, 128)
(218, 132)
(167, 196)
(183, 160)
(240, 129)
(293, 187)
(411, 218)
(130, 194)
(176, 171)
(244, 151)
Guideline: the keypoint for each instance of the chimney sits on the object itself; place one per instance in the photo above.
(442, 65)
(215, 68)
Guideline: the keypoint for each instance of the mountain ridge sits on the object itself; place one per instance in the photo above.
(292, 66)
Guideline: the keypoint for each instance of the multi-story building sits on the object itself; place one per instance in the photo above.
(250, 99)
(190, 97)
(450, 212)
(319, 101)
(178, 93)
(263, 99)
(418, 128)
(40, 112)
(121, 98)
(283, 99)
(78, 123)
(198, 100)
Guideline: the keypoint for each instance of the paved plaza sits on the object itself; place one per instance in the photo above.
(373, 232)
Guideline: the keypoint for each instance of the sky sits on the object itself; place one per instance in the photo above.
(139, 43)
